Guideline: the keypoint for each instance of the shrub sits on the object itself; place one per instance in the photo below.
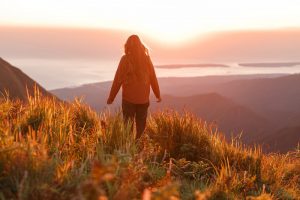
(182, 136)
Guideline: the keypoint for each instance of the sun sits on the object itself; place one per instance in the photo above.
(169, 21)
(169, 35)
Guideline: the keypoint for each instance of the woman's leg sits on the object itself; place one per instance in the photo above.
(128, 110)
(140, 118)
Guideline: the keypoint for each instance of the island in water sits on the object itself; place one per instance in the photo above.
(270, 64)
(177, 66)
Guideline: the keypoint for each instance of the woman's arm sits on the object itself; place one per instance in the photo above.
(117, 83)
(154, 82)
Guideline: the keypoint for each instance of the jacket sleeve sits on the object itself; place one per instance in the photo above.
(118, 80)
(153, 80)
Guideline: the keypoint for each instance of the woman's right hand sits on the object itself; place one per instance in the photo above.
(158, 100)
(109, 101)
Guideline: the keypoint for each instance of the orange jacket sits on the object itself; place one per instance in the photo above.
(133, 90)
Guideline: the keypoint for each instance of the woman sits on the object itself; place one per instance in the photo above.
(135, 74)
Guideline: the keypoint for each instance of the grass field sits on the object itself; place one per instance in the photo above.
(57, 150)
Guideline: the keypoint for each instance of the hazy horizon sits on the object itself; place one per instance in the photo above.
(49, 55)
(62, 73)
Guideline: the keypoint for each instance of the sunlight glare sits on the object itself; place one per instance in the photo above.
(167, 21)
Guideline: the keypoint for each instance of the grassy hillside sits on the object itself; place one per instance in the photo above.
(52, 150)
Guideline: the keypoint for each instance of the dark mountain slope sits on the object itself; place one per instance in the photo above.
(95, 94)
(229, 116)
(285, 139)
(281, 93)
(15, 82)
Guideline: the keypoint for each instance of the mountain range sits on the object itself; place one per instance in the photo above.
(261, 107)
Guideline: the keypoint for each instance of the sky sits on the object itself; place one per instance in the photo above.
(83, 40)
(168, 21)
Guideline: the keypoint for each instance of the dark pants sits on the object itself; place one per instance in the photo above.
(135, 112)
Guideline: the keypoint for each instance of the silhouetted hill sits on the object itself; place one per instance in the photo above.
(230, 117)
(281, 93)
(189, 86)
(276, 99)
(14, 81)
(283, 139)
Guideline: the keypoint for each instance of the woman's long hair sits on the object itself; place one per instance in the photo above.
(138, 57)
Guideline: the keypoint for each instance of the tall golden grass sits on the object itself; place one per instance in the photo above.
(56, 150)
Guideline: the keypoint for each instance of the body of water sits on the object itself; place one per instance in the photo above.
(53, 73)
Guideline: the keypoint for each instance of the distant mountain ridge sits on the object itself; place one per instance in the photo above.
(283, 139)
(229, 116)
(263, 107)
(16, 82)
